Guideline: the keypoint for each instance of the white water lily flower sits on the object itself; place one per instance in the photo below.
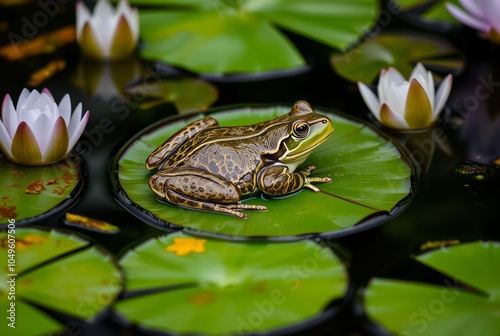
(107, 33)
(402, 104)
(482, 15)
(38, 131)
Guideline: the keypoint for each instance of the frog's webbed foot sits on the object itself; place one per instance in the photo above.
(309, 180)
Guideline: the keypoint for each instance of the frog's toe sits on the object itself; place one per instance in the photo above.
(242, 206)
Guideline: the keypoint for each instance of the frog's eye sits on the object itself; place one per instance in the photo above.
(301, 129)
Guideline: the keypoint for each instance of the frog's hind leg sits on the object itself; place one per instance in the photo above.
(231, 209)
(171, 144)
(198, 189)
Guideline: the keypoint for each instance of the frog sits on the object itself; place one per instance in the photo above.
(209, 167)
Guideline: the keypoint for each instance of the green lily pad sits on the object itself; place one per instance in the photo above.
(370, 178)
(225, 37)
(58, 184)
(436, 12)
(410, 308)
(401, 51)
(187, 94)
(184, 284)
(55, 271)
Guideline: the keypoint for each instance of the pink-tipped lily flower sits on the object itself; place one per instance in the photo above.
(482, 15)
(406, 104)
(38, 131)
(107, 34)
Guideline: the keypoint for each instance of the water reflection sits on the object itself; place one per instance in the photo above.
(106, 80)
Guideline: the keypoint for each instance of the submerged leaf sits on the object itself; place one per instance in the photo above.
(46, 72)
(90, 223)
(44, 43)
(401, 51)
(187, 94)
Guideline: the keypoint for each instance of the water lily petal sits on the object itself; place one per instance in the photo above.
(103, 8)
(47, 95)
(430, 89)
(425, 79)
(78, 132)
(132, 16)
(24, 146)
(418, 110)
(75, 119)
(103, 21)
(394, 76)
(396, 97)
(492, 11)
(442, 95)
(418, 70)
(65, 108)
(82, 15)
(57, 145)
(5, 140)
(9, 116)
(390, 118)
(123, 41)
(472, 6)
(22, 98)
(370, 99)
(388, 90)
(382, 87)
(467, 19)
(90, 43)
(40, 129)
(30, 101)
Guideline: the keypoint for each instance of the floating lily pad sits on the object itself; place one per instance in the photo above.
(28, 192)
(187, 94)
(436, 12)
(55, 271)
(410, 308)
(225, 37)
(181, 284)
(401, 51)
(371, 177)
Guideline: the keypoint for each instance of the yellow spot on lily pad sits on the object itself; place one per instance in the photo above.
(90, 223)
(184, 246)
(497, 162)
(438, 243)
(201, 299)
(29, 240)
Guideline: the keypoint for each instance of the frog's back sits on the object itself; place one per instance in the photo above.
(223, 151)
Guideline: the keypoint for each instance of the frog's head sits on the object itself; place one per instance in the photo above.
(306, 130)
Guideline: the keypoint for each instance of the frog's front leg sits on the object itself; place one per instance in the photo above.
(199, 189)
(277, 180)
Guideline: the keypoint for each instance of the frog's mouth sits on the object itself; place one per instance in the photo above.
(287, 157)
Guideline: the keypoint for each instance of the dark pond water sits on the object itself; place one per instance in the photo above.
(446, 206)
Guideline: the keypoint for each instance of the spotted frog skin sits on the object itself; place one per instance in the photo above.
(207, 167)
